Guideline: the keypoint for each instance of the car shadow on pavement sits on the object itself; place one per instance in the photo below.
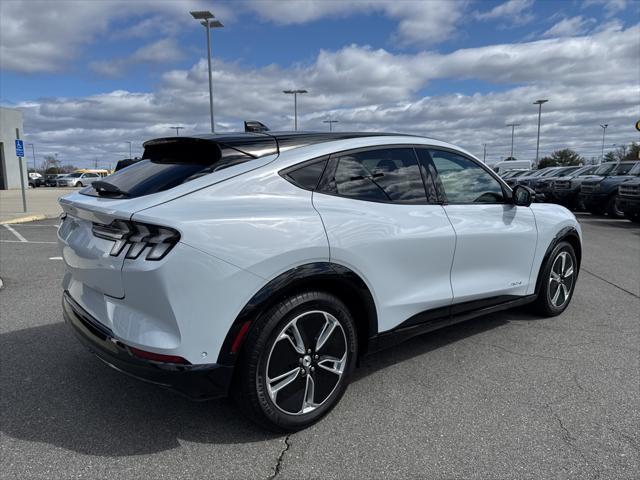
(54, 391)
(434, 340)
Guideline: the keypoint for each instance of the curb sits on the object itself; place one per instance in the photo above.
(25, 219)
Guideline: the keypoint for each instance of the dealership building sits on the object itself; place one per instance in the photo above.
(10, 124)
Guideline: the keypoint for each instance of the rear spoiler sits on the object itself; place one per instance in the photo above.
(210, 148)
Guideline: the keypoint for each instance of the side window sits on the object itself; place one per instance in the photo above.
(464, 181)
(379, 175)
(306, 176)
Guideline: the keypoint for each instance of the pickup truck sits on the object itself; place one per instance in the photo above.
(599, 194)
(629, 199)
(565, 189)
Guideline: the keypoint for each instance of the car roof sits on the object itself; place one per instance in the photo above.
(260, 144)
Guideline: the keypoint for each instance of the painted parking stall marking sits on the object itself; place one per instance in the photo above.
(15, 233)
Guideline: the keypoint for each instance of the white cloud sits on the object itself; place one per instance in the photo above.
(62, 29)
(611, 7)
(420, 22)
(588, 80)
(569, 27)
(162, 51)
(515, 11)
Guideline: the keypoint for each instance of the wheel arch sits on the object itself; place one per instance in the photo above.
(328, 277)
(566, 234)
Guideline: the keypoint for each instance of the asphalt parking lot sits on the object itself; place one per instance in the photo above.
(503, 396)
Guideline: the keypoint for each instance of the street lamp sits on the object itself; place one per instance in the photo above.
(331, 122)
(295, 105)
(130, 155)
(604, 130)
(539, 103)
(177, 129)
(33, 151)
(208, 24)
(513, 130)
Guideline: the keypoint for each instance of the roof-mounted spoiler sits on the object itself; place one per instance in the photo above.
(255, 126)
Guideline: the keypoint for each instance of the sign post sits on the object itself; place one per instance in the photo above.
(20, 155)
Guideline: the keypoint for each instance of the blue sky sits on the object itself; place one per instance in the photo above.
(132, 68)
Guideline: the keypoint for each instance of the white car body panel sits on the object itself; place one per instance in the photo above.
(495, 246)
(404, 252)
(243, 226)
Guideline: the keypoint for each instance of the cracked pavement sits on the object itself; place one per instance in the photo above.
(504, 396)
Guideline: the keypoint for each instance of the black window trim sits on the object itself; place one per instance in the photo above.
(507, 192)
(332, 164)
(284, 173)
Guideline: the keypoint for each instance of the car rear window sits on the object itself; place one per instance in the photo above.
(167, 163)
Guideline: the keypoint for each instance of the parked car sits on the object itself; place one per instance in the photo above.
(599, 194)
(266, 264)
(542, 185)
(512, 173)
(506, 165)
(528, 179)
(565, 190)
(51, 179)
(35, 180)
(77, 179)
(629, 199)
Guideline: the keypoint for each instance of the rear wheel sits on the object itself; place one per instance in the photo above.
(297, 362)
(613, 207)
(558, 279)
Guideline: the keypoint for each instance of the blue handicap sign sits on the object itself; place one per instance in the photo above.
(19, 148)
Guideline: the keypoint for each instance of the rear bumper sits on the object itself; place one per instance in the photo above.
(199, 382)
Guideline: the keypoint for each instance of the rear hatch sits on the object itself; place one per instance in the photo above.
(170, 168)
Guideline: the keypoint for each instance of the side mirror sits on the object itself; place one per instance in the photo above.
(523, 196)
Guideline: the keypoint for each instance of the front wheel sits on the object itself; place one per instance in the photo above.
(613, 207)
(297, 362)
(558, 280)
(79, 184)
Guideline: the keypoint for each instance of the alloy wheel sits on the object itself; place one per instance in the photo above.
(561, 279)
(306, 362)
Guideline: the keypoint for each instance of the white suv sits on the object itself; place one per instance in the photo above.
(264, 264)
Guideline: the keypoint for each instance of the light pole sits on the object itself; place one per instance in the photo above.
(604, 130)
(33, 151)
(208, 24)
(130, 155)
(539, 103)
(331, 122)
(295, 105)
(484, 153)
(177, 129)
(513, 130)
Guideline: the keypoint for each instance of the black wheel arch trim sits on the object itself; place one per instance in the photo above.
(569, 234)
(325, 276)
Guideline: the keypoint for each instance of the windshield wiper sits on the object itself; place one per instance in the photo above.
(106, 189)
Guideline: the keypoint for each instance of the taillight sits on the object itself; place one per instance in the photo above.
(157, 357)
(137, 237)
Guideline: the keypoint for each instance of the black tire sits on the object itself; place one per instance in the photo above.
(545, 304)
(267, 353)
(613, 207)
(79, 184)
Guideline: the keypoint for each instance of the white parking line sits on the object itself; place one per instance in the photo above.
(12, 230)
(55, 258)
